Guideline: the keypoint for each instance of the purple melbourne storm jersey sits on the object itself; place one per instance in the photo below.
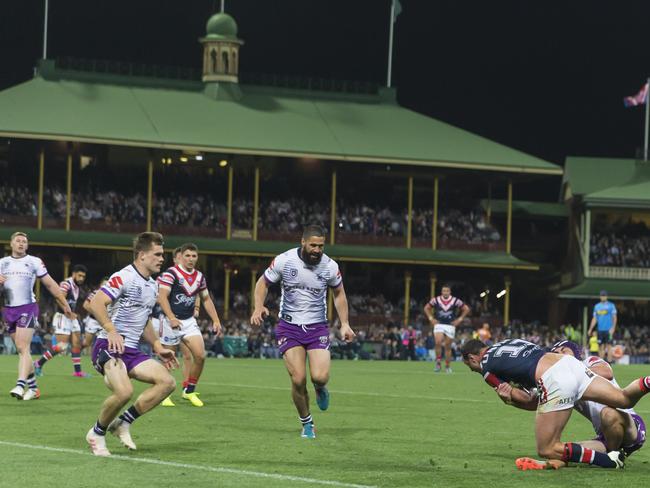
(511, 360)
(445, 311)
(71, 291)
(183, 288)
(134, 297)
(304, 287)
(21, 274)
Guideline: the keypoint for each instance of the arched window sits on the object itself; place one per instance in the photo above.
(235, 68)
(213, 59)
(224, 60)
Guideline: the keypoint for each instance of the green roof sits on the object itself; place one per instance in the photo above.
(617, 289)
(523, 208)
(120, 241)
(608, 182)
(154, 113)
(221, 26)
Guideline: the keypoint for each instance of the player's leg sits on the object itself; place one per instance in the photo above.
(118, 381)
(75, 341)
(168, 402)
(602, 391)
(319, 370)
(187, 362)
(439, 338)
(196, 347)
(22, 338)
(448, 340)
(62, 334)
(614, 423)
(295, 362)
(89, 338)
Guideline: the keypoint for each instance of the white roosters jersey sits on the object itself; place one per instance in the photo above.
(591, 410)
(133, 296)
(304, 287)
(21, 274)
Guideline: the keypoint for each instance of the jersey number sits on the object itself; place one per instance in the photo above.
(513, 349)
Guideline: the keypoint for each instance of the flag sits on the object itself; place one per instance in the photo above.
(640, 98)
(397, 9)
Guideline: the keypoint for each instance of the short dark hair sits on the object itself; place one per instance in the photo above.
(79, 267)
(177, 250)
(189, 246)
(145, 241)
(313, 230)
(473, 346)
(445, 285)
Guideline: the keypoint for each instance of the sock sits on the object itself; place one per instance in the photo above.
(99, 428)
(578, 454)
(130, 415)
(76, 360)
(644, 384)
(191, 384)
(47, 355)
(20, 383)
(446, 362)
(31, 382)
(306, 420)
(185, 383)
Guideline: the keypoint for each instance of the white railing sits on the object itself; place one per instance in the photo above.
(619, 273)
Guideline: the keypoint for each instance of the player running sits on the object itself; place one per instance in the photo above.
(18, 273)
(91, 326)
(179, 286)
(305, 273)
(131, 294)
(615, 428)
(67, 330)
(561, 381)
(445, 313)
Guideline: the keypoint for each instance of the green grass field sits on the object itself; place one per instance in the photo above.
(390, 424)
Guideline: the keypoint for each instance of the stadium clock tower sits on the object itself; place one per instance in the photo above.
(221, 57)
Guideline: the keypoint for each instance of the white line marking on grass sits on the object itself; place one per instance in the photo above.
(198, 467)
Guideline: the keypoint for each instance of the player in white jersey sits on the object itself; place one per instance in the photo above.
(67, 331)
(305, 274)
(18, 273)
(179, 287)
(91, 326)
(131, 294)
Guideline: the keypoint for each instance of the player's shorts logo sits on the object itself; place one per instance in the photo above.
(23, 319)
(323, 339)
(589, 373)
(282, 340)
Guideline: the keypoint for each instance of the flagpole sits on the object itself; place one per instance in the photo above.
(390, 44)
(647, 117)
(223, 6)
(47, 8)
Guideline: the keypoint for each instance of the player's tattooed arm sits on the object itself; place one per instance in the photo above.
(208, 304)
(54, 289)
(516, 397)
(464, 312)
(341, 304)
(428, 311)
(260, 311)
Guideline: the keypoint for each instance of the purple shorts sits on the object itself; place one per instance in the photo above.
(131, 357)
(23, 316)
(313, 336)
(640, 436)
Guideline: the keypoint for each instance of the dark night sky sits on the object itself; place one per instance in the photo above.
(544, 77)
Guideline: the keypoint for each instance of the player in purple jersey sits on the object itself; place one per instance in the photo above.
(18, 273)
(561, 381)
(305, 274)
(67, 331)
(131, 294)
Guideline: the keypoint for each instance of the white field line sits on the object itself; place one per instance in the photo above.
(196, 467)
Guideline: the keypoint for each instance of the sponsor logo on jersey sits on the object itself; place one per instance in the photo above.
(293, 272)
(115, 282)
(183, 299)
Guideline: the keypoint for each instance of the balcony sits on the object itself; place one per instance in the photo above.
(613, 272)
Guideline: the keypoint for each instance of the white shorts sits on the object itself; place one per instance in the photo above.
(63, 325)
(448, 330)
(172, 337)
(563, 384)
(91, 326)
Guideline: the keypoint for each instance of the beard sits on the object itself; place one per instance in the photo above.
(311, 258)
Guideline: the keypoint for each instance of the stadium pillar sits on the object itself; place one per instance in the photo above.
(488, 210)
(229, 210)
(66, 267)
(409, 216)
(149, 194)
(333, 210)
(585, 321)
(586, 243)
(434, 230)
(68, 192)
(509, 226)
(256, 202)
(253, 283)
(506, 302)
(226, 293)
(407, 296)
(41, 177)
(432, 281)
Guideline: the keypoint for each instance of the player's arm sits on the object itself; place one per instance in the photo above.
(601, 368)
(464, 312)
(509, 395)
(428, 311)
(163, 300)
(167, 356)
(86, 305)
(208, 304)
(260, 311)
(99, 309)
(58, 295)
(614, 322)
(197, 306)
(341, 304)
(592, 324)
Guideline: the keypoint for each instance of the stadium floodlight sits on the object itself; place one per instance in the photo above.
(501, 294)
(484, 293)
(223, 163)
(184, 159)
(199, 157)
